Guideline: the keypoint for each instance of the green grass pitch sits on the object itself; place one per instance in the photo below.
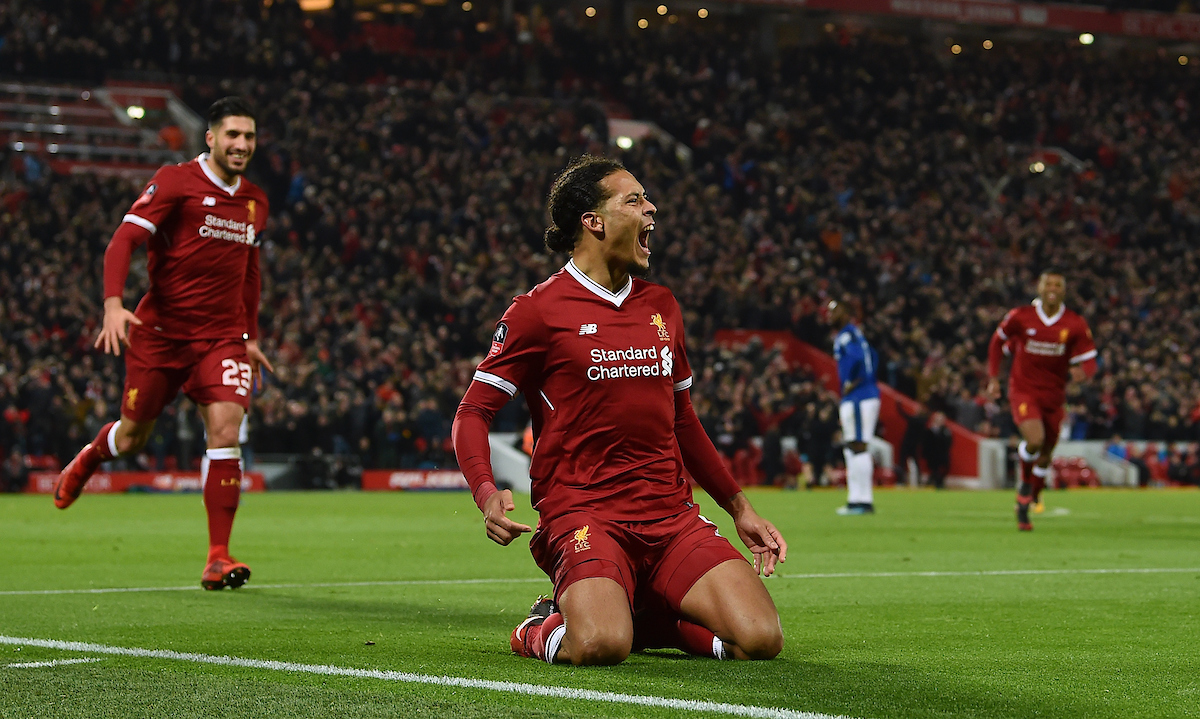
(934, 607)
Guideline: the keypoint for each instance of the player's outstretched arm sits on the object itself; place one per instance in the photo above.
(760, 536)
(473, 450)
(115, 331)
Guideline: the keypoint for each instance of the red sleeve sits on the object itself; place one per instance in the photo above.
(1009, 327)
(518, 348)
(158, 200)
(699, 455)
(251, 294)
(1083, 349)
(470, 435)
(516, 354)
(124, 241)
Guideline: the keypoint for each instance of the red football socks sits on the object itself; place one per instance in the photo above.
(222, 472)
(540, 641)
(102, 445)
(667, 630)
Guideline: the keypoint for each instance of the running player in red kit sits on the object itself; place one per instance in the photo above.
(600, 358)
(1049, 344)
(196, 329)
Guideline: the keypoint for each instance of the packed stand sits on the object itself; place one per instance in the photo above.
(405, 214)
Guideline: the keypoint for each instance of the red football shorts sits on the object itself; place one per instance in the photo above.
(1028, 406)
(654, 561)
(157, 367)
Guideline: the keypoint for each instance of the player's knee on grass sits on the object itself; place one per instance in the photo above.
(759, 637)
(599, 647)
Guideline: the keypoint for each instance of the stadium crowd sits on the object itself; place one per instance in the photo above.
(407, 211)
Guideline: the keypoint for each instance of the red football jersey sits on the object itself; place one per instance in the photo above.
(1043, 350)
(599, 371)
(203, 252)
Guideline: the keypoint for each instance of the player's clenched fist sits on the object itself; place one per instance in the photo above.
(115, 331)
(501, 529)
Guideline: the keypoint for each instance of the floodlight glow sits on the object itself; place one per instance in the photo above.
(136, 112)
(624, 142)
(1086, 38)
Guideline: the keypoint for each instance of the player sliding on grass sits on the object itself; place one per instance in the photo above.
(600, 359)
(197, 326)
(1049, 344)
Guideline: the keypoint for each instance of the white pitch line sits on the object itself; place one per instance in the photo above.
(519, 580)
(54, 663)
(740, 710)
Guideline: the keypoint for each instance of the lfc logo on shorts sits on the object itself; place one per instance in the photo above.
(581, 538)
(657, 320)
(131, 398)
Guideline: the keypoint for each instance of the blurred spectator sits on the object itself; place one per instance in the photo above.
(13, 473)
(936, 448)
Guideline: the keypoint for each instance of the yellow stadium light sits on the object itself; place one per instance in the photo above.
(702, 13)
(1038, 167)
(135, 112)
(987, 45)
(662, 9)
(1183, 59)
(956, 49)
(1086, 38)
(624, 142)
(643, 23)
(590, 12)
(467, 6)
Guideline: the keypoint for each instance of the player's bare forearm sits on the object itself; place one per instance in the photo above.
(115, 329)
(761, 537)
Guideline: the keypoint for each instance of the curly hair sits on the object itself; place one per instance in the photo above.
(575, 191)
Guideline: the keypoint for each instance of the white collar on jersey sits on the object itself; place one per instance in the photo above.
(598, 289)
(202, 158)
(1048, 321)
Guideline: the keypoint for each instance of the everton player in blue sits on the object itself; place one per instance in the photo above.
(857, 363)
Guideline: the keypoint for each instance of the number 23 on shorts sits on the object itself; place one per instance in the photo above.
(236, 374)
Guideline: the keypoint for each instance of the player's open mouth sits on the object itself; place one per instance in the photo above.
(644, 238)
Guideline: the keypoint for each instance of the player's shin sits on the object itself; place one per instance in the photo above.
(221, 475)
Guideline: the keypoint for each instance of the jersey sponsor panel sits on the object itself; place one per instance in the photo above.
(609, 432)
(1043, 349)
(203, 252)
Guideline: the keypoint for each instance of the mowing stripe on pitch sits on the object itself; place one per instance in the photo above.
(197, 587)
(54, 663)
(424, 582)
(740, 710)
(993, 573)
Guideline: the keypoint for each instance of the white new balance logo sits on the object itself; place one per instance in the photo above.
(209, 202)
(589, 329)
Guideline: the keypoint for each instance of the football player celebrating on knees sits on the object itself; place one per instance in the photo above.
(196, 329)
(599, 356)
(1049, 344)
(859, 408)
